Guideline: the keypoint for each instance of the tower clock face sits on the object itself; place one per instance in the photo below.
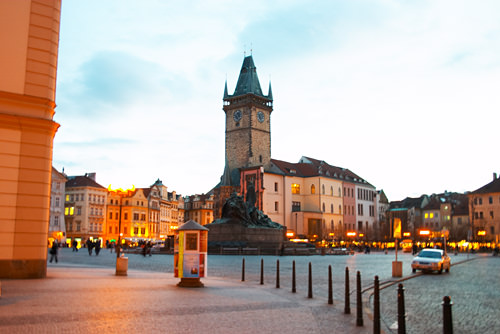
(237, 115)
(260, 116)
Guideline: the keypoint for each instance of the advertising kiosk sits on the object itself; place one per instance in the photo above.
(190, 254)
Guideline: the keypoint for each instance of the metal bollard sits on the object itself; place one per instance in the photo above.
(261, 271)
(447, 320)
(294, 290)
(277, 274)
(347, 301)
(330, 288)
(376, 306)
(243, 270)
(401, 310)
(310, 286)
(359, 302)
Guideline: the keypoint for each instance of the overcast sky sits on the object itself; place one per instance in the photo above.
(406, 94)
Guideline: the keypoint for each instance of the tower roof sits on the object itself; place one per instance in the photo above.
(248, 81)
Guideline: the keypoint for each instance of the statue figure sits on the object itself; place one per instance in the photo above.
(236, 211)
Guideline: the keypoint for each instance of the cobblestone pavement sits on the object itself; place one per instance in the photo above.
(474, 289)
(423, 292)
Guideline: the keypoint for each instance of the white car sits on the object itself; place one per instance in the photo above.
(430, 259)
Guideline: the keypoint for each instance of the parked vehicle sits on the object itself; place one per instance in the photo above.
(430, 259)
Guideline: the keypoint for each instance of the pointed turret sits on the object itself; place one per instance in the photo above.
(270, 92)
(226, 95)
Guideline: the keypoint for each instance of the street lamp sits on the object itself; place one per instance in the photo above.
(121, 193)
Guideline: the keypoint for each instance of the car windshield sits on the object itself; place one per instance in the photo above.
(431, 254)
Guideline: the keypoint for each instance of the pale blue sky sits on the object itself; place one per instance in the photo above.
(406, 94)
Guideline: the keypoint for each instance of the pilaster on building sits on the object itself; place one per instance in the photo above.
(28, 67)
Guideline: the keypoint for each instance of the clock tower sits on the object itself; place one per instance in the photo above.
(248, 125)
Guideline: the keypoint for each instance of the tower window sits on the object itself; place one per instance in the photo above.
(260, 158)
(295, 188)
(313, 189)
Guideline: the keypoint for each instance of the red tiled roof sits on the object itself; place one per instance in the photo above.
(309, 167)
(492, 187)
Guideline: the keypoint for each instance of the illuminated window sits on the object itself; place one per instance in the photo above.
(426, 215)
(313, 189)
(66, 211)
(431, 215)
(295, 188)
(67, 198)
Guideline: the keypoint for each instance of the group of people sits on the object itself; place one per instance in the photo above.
(96, 244)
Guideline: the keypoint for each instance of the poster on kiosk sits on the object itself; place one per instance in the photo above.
(190, 251)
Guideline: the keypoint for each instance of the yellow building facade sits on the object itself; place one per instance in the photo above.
(29, 39)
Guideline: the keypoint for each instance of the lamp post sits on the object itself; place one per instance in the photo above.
(121, 263)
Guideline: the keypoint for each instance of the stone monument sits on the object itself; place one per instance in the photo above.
(242, 225)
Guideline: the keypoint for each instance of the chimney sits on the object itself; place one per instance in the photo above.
(494, 176)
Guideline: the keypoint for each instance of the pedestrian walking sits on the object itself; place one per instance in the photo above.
(97, 246)
(53, 251)
(90, 245)
(75, 246)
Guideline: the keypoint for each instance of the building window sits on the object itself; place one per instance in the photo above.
(295, 188)
(480, 201)
(78, 226)
(136, 230)
(491, 214)
(56, 220)
(313, 189)
(125, 230)
(331, 191)
(331, 208)
(490, 200)
(67, 198)
(57, 201)
(276, 186)
(295, 206)
(276, 206)
(125, 216)
(323, 189)
(323, 207)
(143, 230)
